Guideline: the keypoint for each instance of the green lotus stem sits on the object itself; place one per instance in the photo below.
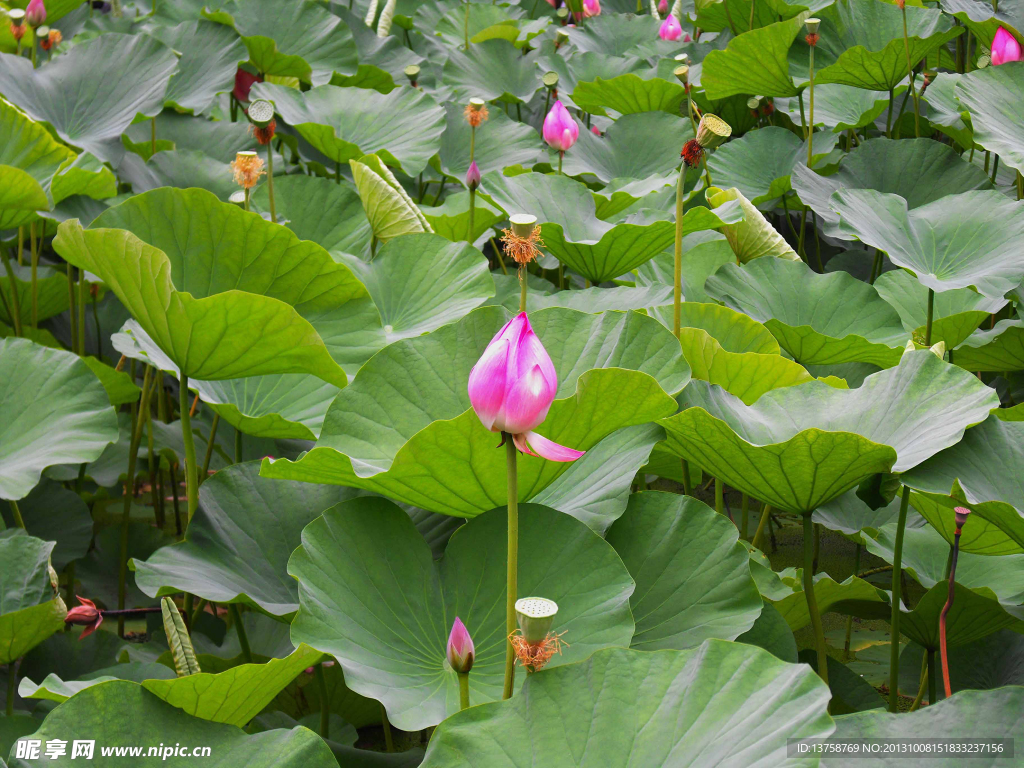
(894, 622)
(238, 446)
(191, 476)
(187, 612)
(21, 245)
(15, 299)
(129, 492)
(677, 280)
(82, 288)
(35, 270)
(817, 548)
(759, 534)
(472, 190)
(719, 496)
(512, 568)
(35, 44)
(560, 156)
(504, 269)
(522, 288)
(810, 110)
(12, 679)
(744, 515)
(19, 521)
(463, 690)
(1020, 185)
(687, 485)
(209, 448)
(174, 499)
(325, 710)
(803, 119)
(728, 18)
(922, 684)
(270, 181)
(198, 611)
(7, 307)
(910, 74)
(245, 204)
(243, 639)
(888, 116)
(849, 619)
(995, 167)
(389, 739)
(752, 4)
(158, 507)
(931, 677)
(72, 314)
(466, 26)
(928, 322)
(876, 267)
(152, 136)
(812, 601)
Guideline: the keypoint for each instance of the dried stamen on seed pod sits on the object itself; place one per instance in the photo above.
(812, 39)
(692, 153)
(264, 133)
(522, 249)
(534, 656)
(247, 168)
(475, 112)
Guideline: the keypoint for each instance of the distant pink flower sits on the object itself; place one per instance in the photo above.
(1005, 48)
(35, 13)
(670, 29)
(86, 615)
(591, 8)
(461, 652)
(512, 386)
(595, 130)
(473, 176)
(663, 6)
(687, 38)
(560, 130)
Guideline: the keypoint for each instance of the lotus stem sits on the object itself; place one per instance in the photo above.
(35, 270)
(209, 449)
(922, 685)
(270, 181)
(72, 314)
(817, 547)
(243, 639)
(12, 679)
(129, 492)
(888, 116)
(152, 136)
(932, 691)
(82, 288)
(728, 18)
(719, 496)
(463, 690)
(894, 622)
(325, 710)
(812, 602)
(238, 445)
(810, 110)
(849, 619)
(911, 74)
(995, 167)
(15, 311)
(466, 33)
(191, 476)
(21, 245)
(19, 521)
(752, 5)
(158, 507)
(744, 515)
(389, 739)
(928, 322)
(961, 518)
(677, 287)
(99, 334)
(803, 119)
(759, 534)
(472, 188)
(245, 204)
(687, 485)
(174, 499)
(561, 155)
(512, 568)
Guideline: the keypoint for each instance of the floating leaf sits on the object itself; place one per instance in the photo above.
(30, 609)
(994, 97)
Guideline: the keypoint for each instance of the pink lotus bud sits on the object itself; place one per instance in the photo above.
(512, 387)
(35, 13)
(87, 615)
(461, 652)
(591, 8)
(473, 176)
(1005, 48)
(663, 7)
(671, 29)
(687, 38)
(595, 130)
(560, 130)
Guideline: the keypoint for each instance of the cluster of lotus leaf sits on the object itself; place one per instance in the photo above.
(255, 402)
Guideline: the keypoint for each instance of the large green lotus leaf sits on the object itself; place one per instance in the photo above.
(760, 162)
(53, 513)
(52, 688)
(755, 62)
(403, 127)
(840, 107)
(575, 67)
(862, 42)
(713, 16)
(967, 239)
(53, 410)
(596, 249)
(51, 293)
(620, 298)
(998, 349)
(92, 93)
(854, 596)
(234, 696)
(634, 147)
(30, 608)
(799, 447)
(722, 704)
(752, 236)
(975, 614)
(423, 281)
(494, 70)
(393, 648)
(449, 22)
(692, 576)
(210, 54)
(500, 142)
(818, 319)
(956, 314)
(389, 208)
(628, 94)
(218, 139)
(596, 488)
(236, 548)
(120, 713)
(919, 170)
(613, 34)
(995, 98)
(703, 253)
(403, 429)
(450, 220)
(983, 470)
(984, 19)
(289, 39)
(38, 171)
(320, 210)
(945, 112)
(186, 169)
(965, 715)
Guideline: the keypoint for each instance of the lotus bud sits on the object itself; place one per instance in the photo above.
(413, 73)
(560, 130)
(85, 615)
(591, 8)
(712, 131)
(1005, 48)
(513, 384)
(473, 176)
(461, 652)
(662, 7)
(247, 168)
(475, 112)
(595, 130)
(670, 28)
(35, 13)
(960, 515)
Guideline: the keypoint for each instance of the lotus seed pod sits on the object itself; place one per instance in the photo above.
(535, 616)
(682, 74)
(522, 224)
(712, 131)
(961, 514)
(412, 72)
(812, 26)
(261, 113)
(550, 80)
(753, 102)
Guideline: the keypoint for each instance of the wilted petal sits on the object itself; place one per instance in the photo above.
(544, 448)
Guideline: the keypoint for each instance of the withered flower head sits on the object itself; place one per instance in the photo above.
(522, 241)
(475, 112)
(692, 153)
(247, 168)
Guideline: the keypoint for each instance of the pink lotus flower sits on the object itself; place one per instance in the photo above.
(591, 8)
(512, 386)
(1005, 48)
(595, 130)
(35, 13)
(461, 653)
(87, 615)
(560, 130)
(671, 29)
(473, 176)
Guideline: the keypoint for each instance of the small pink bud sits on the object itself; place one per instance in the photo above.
(473, 176)
(595, 130)
(35, 13)
(461, 652)
(560, 130)
(1005, 48)
(687, 38)
(591, 8)
(86, 615)
(671, 29)
(663, 7)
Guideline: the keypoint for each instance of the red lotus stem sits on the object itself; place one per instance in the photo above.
(961, 518)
